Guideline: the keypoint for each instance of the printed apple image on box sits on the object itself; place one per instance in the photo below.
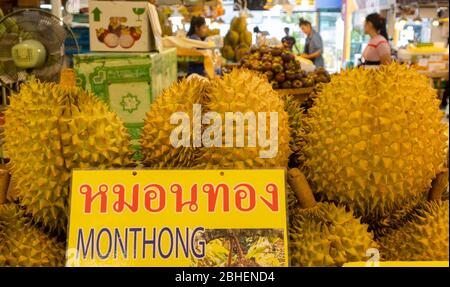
(119, 26)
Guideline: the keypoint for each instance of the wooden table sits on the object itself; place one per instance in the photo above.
(301, 94)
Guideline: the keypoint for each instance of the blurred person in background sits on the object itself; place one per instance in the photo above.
(260, 36)
(313, 46)
(197, 31)
(288, 41)
(378, 51)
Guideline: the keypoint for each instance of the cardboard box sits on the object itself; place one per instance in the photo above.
(127, 82)
(119, 26)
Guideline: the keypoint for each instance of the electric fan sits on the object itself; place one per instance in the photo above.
(31, 46)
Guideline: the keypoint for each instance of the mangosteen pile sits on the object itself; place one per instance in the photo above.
(282, 69)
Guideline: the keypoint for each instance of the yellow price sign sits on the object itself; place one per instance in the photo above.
(178, 218)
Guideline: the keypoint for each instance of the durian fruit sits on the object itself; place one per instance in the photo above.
(445, 194)
(292, 201)
(228, 52)
(234, 25)
(323, 234)
(242, 24)
(246, 91)
(156, 148)
(297, 126)
(401, 216)
(240, 91)
(239, 24)
(375, 140)
(241, 51)
(51, 129)
(232, 38)
(238, 39)
(22, 244)
(423, 238)
(246, 38)
(216, 254)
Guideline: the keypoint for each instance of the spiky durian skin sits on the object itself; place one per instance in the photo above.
(246, 91)
(156, 147)
(327, 235)
(375, 140)
(445, 194)
(292, 201)
(397, 218)
(24, 245)
(297, 117)
(240, 91)
(424, 237)
(51, 129)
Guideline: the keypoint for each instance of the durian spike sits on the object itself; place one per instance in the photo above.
(67, 78)
(300, 186)
(438, 185)
(4, 183)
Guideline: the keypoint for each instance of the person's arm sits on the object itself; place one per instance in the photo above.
(312, 55)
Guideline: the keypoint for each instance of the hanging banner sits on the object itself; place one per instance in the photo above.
(177, 218)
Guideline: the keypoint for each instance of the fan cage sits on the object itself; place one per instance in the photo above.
(45, 27)
(7, 89)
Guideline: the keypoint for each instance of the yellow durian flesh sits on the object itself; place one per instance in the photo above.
(327, 235)
(375, 140)
(423, 237)
(51, 129)
(22, 244)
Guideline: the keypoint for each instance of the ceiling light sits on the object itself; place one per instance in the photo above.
(435, 22)
(418, 20)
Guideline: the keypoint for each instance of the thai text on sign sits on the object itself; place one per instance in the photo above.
(168, 217)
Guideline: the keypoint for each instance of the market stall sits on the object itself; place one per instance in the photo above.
(113, 153)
